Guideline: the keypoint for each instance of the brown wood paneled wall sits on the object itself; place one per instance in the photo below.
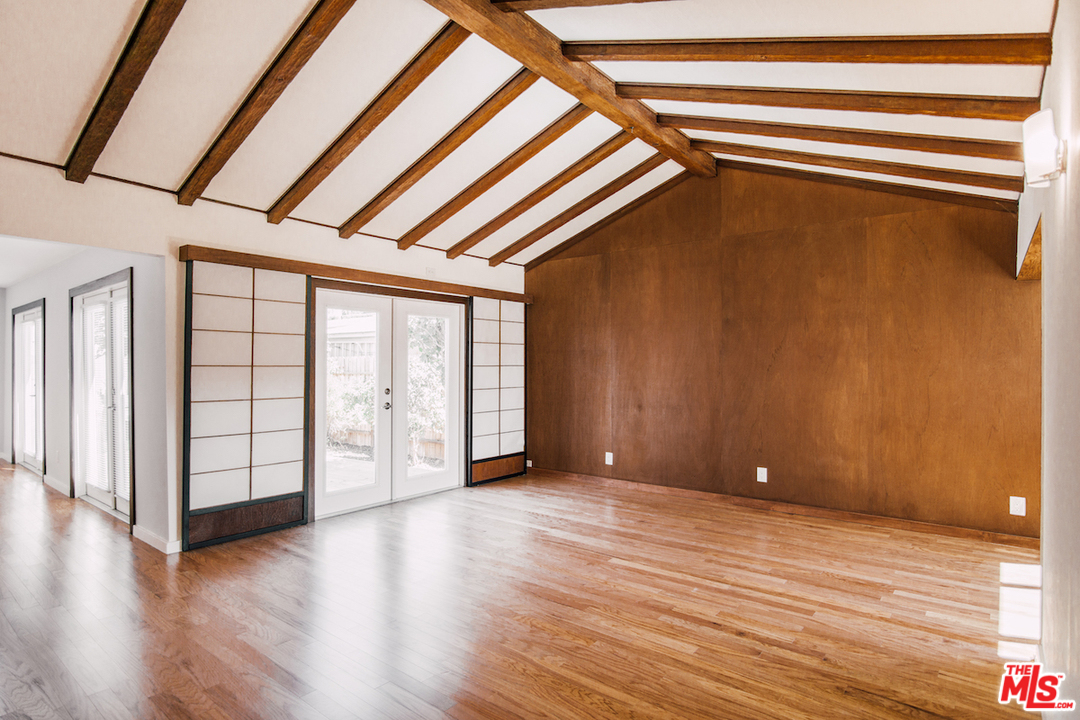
(873, 351)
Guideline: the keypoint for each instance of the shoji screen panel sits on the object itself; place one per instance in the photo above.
(498, 421)
(244, 455)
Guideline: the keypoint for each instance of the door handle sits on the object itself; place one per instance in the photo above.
(386, 406)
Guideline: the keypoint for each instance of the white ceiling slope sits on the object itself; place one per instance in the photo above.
(57, 57)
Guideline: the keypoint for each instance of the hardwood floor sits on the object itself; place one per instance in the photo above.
(529, 598)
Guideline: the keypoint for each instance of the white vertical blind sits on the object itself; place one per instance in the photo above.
(95, 396)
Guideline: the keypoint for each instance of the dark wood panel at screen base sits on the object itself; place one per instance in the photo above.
(499, 468)
(232, 523)
(873, 351)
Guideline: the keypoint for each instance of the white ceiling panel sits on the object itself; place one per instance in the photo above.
(561, 154)
(457, 88)
(55, 58)
(528, 115)
(213, 56)
(612, 205)
(909, 157)
(1012, 80)
(930, 184)
(369, 47)
(566, 197)
(684, 19)
(891, 122)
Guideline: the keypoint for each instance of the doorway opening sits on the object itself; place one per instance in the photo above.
(101, 382)
(28, 380)
(388, 398)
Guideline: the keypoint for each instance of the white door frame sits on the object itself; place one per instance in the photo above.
(29, 313)
(401, 303)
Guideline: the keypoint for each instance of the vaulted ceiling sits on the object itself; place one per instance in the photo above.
(501, 129)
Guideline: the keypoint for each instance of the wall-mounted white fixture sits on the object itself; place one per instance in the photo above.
(1044, 152)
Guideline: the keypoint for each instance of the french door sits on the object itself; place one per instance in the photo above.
(388, 399)
(28, 347)
(101, 354)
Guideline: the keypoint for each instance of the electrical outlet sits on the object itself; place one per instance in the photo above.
(430, 271)
(762, 474)
(528, 463)
(1017, 506)
(609, 458)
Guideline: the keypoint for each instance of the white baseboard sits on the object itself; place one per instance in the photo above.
(155, 541)
(61, 486)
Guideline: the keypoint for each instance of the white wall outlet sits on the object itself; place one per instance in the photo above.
(430, 272)
(609, 458)
(528, 463)
(762, 474)
(1017, 506)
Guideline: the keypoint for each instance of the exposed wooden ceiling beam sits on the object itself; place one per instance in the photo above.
(517, 35)
(1029, 49)
(1031, 269)
(958, 177)
(994, 149)
(955, 197)
(582, 207)
(142, 47)
(434, 53)
(286, 66)
(523, 5)
(609, 148)
(965, 106)
(618, 214)
(519, 157)
(510, 91)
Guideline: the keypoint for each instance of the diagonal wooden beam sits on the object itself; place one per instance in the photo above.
(994, 149)
(965, 106)
(434, 54)
(510, 91)
(525, 40)
(285, 67)
(959, 177)
(584, 206)
(523, 5)
(613, 217)
(146, 39)
(609, 148)
(1019, 49)
(526, 152)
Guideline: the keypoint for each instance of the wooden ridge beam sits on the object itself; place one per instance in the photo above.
(518, 158)
(525, 40)
(958, 177)
(584, 206)
(510, 91)
(609, 148)
(427, 60)
(965, 106)
(1019, 49)
(523, 5)
(617, 215)
(142, 47)
(994, 149)
(318, 25)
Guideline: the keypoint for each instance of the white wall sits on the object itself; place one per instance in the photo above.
(36, 202)
(1060, 208)
(148, 313)
(5, 387)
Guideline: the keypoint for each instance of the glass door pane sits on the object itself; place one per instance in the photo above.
(352, 414)
(28, 353)
(428, 388)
